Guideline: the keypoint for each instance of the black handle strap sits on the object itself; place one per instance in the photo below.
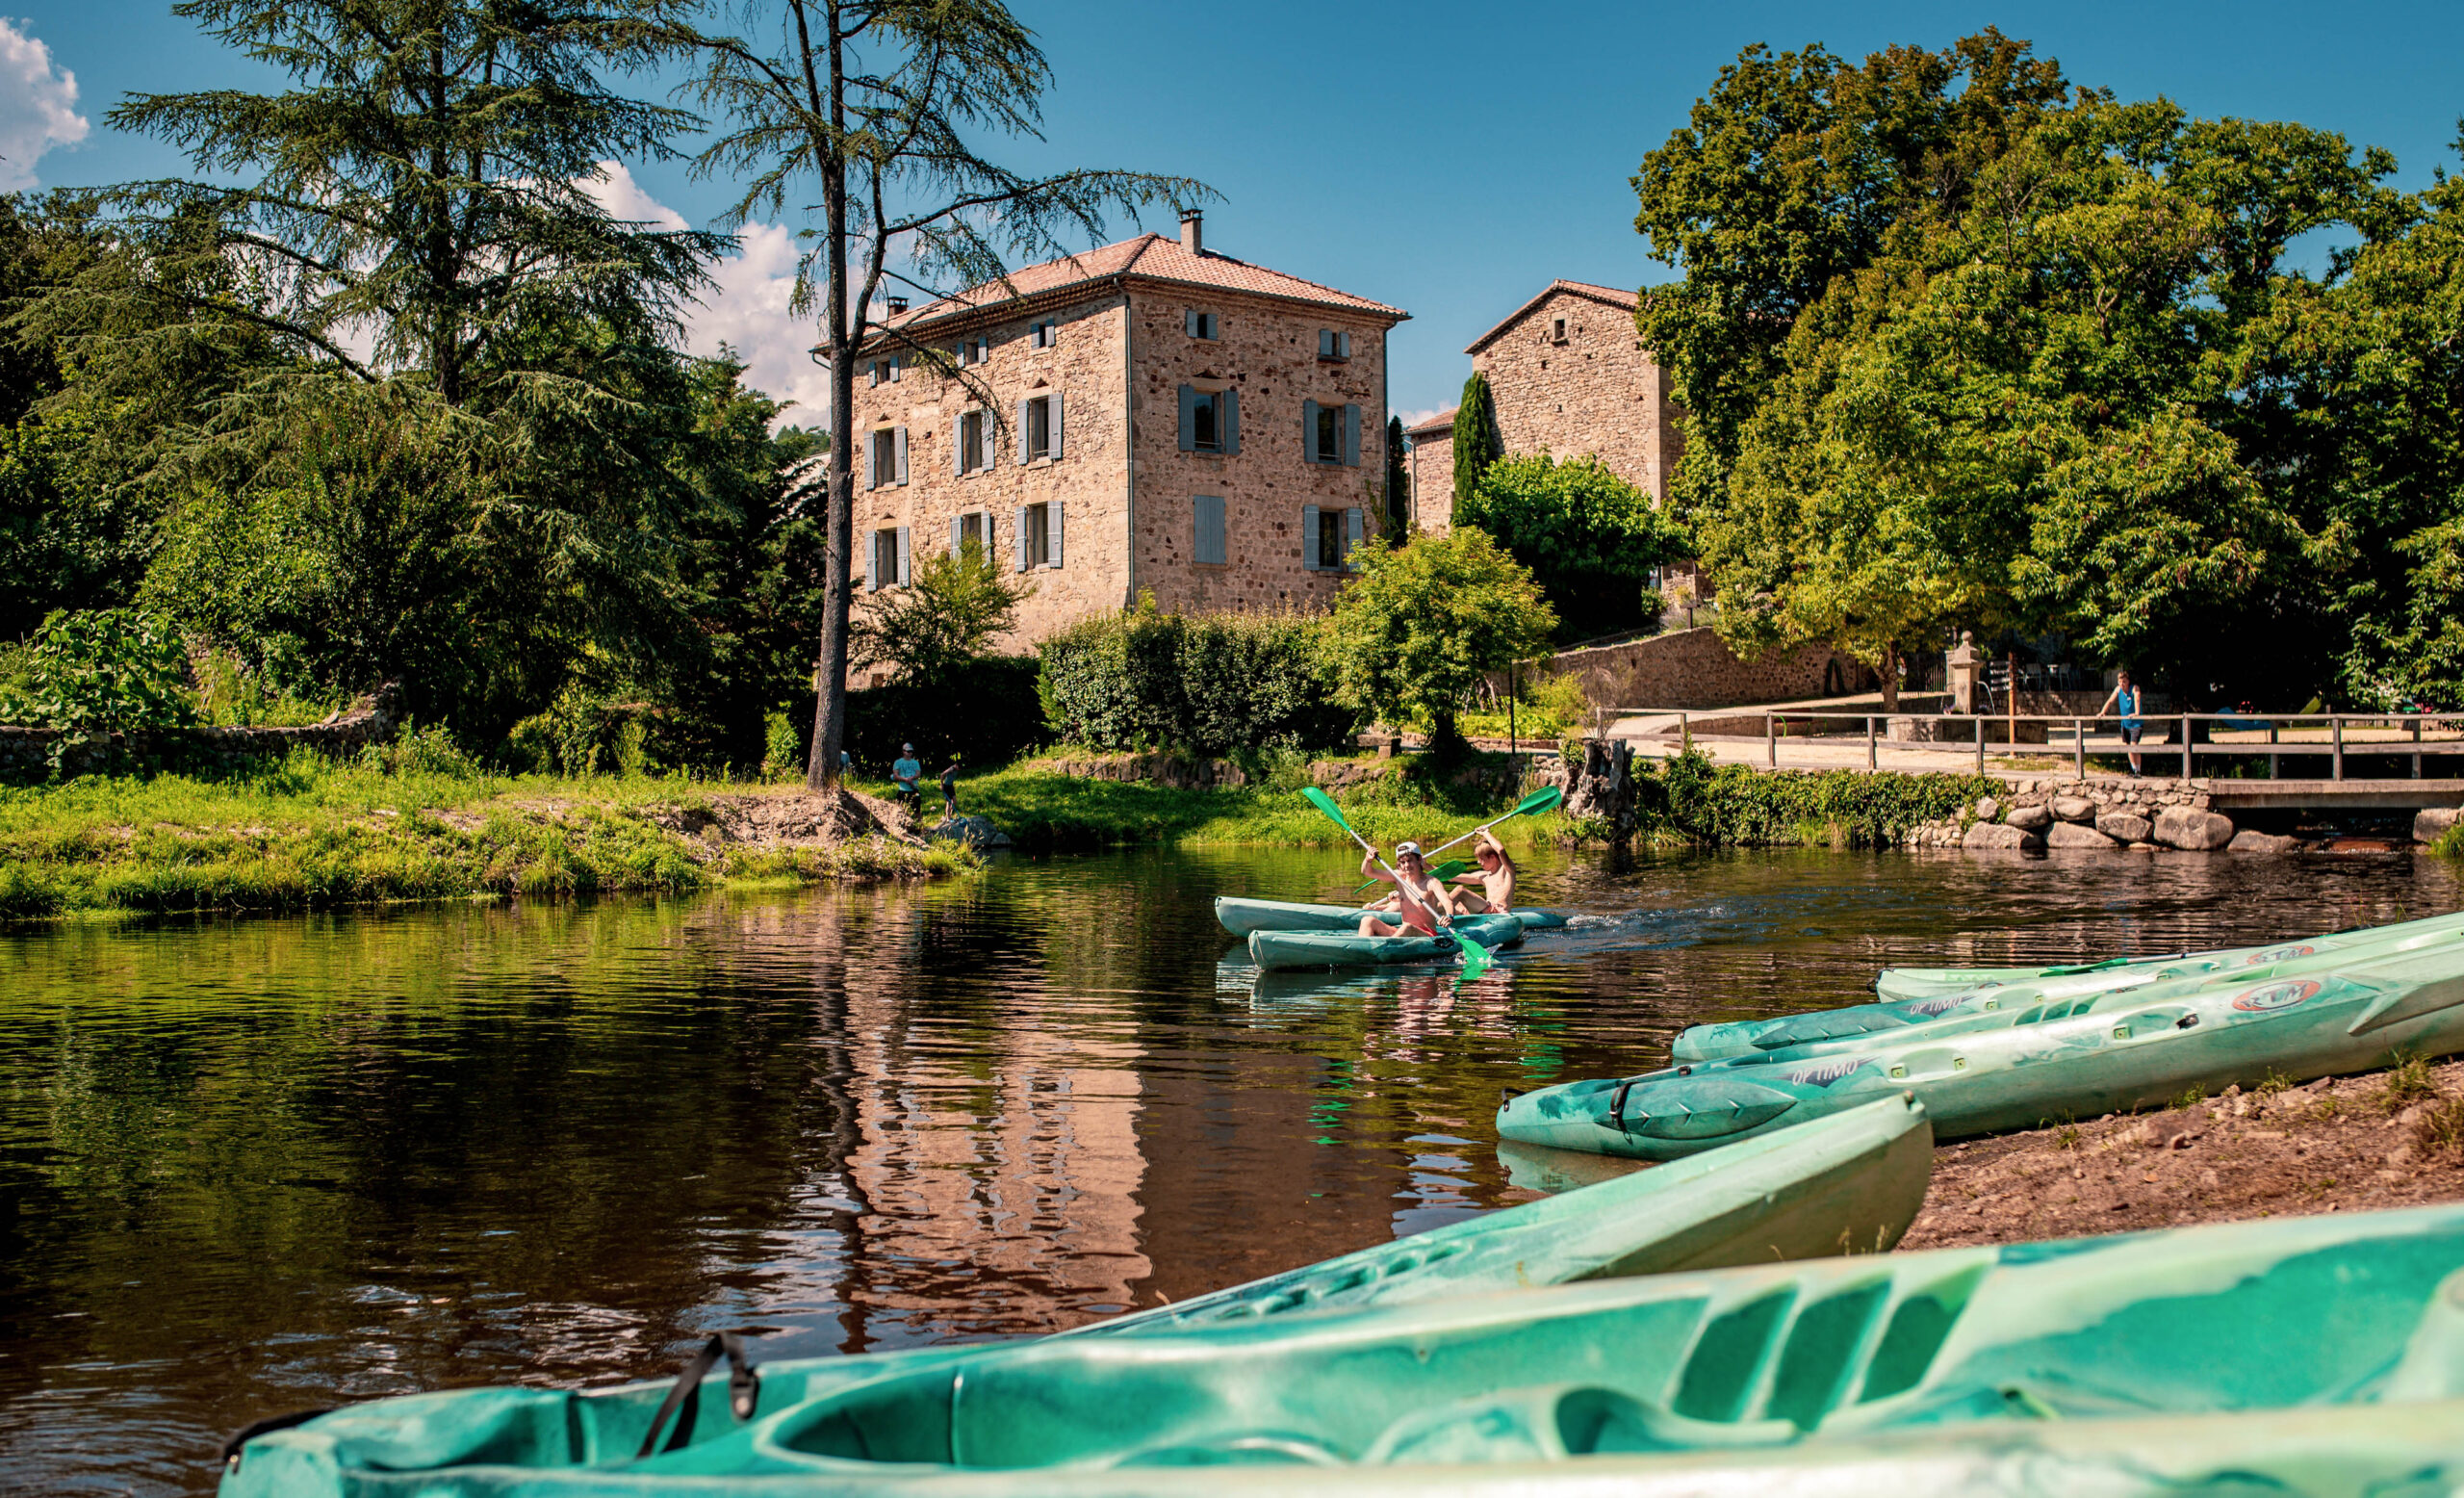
(744, 1391)
(266, 1426)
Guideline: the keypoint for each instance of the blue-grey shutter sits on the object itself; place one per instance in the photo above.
(1351, 534)
(1211, 549)
(1189, 418)
(1342, 346)
(1351, 436)
(1019, 536)
(904, 572)
(1022, 431)
(1309, 535)
(958, 444)
(872, 583)
(902, 455)
(958, 536)
(1052, 533)
(1308, 432)
(989, 440)
(1231, 418)
(1053, 405)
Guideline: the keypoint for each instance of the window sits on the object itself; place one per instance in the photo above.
(1332, 344)
(873, 372)
(1200, 325)
(1327, 537)
(1041, 335)
(1035, 426)
(887, 561)
(889, 458)
(973, 529)
(1038, 535)
(1557, 330)
(894, 361)
(1210, 420)
(1331, 433)
(975, 440)
(1207, 548)
(974, 351)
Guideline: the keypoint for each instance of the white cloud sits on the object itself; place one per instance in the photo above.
(38, 107)
(1412, 419)
(745, 308)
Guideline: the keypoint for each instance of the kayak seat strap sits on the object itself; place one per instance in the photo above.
(266, 1426)
(744, 1391)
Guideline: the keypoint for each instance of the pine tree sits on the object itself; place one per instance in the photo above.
(1398, 484)
(1478, 442)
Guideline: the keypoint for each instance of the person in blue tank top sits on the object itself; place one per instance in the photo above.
(2125, 699)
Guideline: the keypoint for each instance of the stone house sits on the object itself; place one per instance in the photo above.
(1569, 379)
(1150, 417)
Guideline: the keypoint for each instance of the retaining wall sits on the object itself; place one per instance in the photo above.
(25, 751)
(1691, 668)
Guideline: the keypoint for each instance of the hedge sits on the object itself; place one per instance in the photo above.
(1211, 684)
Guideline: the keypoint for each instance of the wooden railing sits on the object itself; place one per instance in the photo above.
(2374, 734)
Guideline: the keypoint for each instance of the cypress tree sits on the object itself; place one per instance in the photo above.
(1478, 442)
(1398, 484)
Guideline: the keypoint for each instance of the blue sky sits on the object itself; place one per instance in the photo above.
(1448, 157)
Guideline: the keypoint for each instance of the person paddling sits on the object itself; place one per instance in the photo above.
(1489, 889)
(1420, 901)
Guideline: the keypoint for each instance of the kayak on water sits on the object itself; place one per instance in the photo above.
(1275, 950)
(1906, 983)
(1858, 1178)
(1241, 917)
(1994, 1000)
(1733, 1364)
(2044, 1063)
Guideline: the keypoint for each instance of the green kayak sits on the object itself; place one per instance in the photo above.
(2070, 1059)
(1907, 983)
(1276, 950)
(1853, 1181)
(1993, 1001)
(1242, 917)
(1716, 1369)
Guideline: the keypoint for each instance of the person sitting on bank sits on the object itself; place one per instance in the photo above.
(1488, 891)
(2126, 696)
(903, 773)
(1420, 901)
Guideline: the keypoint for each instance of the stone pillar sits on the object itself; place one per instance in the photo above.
(1966, 668)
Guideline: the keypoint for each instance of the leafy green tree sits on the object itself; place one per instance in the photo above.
(94, 672)
(859, 113)
(1590, 538)
(1426, 622)
(1478, 442)
(955, 606)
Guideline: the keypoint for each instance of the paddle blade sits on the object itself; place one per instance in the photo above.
(1451, 867)
(1540, 800)
(1476, 957)
(1326, 804)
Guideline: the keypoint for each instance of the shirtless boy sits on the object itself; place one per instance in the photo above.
(1422, 902)
(1490, 890)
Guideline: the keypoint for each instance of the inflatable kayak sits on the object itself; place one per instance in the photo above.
(2044, 1063)
(1770, 1361)
(1858, 1178)
(1241, 917)
(1995, 1000)
(1275, 950)
(1906, 983)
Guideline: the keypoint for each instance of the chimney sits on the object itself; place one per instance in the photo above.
(1194, 230)
(897, 305)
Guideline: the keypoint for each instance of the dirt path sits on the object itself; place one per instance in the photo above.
(2387, 1139)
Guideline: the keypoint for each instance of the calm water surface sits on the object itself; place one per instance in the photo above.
(251, 1165)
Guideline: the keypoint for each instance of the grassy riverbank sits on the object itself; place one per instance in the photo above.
(416, 823)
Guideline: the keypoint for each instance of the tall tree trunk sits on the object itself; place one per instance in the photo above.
(1890, 674)
(839, 521)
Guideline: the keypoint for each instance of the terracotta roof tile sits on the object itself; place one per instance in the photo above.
(1151, 257)
(1443, 421)
(1614, 296)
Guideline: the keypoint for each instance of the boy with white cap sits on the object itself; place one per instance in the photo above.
(1420, 901)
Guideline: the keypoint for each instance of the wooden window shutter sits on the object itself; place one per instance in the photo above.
(1309, 535)
(1189, 418)
(1052, 533)
(958, 444)
(1351, 532)
(903, 572)
(1342, 346)
(1231, 421)
(1022, 431)
(1210, 550)
(1308, 432)
(1054, 425)
(1351, 436)
(957, 535)
(1019, 536)
(902, 453)
(988, 440)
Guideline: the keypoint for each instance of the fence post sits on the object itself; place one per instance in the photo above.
(2079, 749)
(2336, 733)
(1980, 743)
(2185, 747)
(1871, 762)
(2417, 752)
(1685, 733)
(2273, 756)
(1771, 739)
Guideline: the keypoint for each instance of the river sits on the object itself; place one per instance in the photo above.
(248, 1166)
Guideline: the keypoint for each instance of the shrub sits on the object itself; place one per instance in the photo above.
(1426, 622)
(985, 709)
(1590, 538)
(1209, 683)
(1689, 798)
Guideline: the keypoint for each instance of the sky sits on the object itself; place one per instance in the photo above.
(1448, 157)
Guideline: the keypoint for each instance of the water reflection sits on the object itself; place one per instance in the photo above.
(255, 1165)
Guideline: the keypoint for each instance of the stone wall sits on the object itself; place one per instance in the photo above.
(2145, 815)
(1432, 473)
(1691, 668)
(1596, 392)
(25, 751)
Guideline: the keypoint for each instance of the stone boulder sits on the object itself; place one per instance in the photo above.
(1999, 834)
(2251, 840)
(2123, 826)
(2192, 830)
(1987, 808)
(2070, 834)
(2431, 821)
(2075, 808)
(2031, 817)
(976, 832)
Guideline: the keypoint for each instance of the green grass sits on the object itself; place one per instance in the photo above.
(411, 822)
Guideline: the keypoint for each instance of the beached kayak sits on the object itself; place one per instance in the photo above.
(1856, 1181)
(1906, 983)
(1995, 1000)
(2046, 1063)
(1274, 951)
(1763, 1363)
(1241, 917)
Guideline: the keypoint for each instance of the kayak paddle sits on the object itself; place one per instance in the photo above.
(1476, 957)
(1540, 800)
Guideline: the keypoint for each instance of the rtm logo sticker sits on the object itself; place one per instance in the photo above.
(2276, 996)
(1931, 1007)
(1826, 1074)
(2278, 954)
